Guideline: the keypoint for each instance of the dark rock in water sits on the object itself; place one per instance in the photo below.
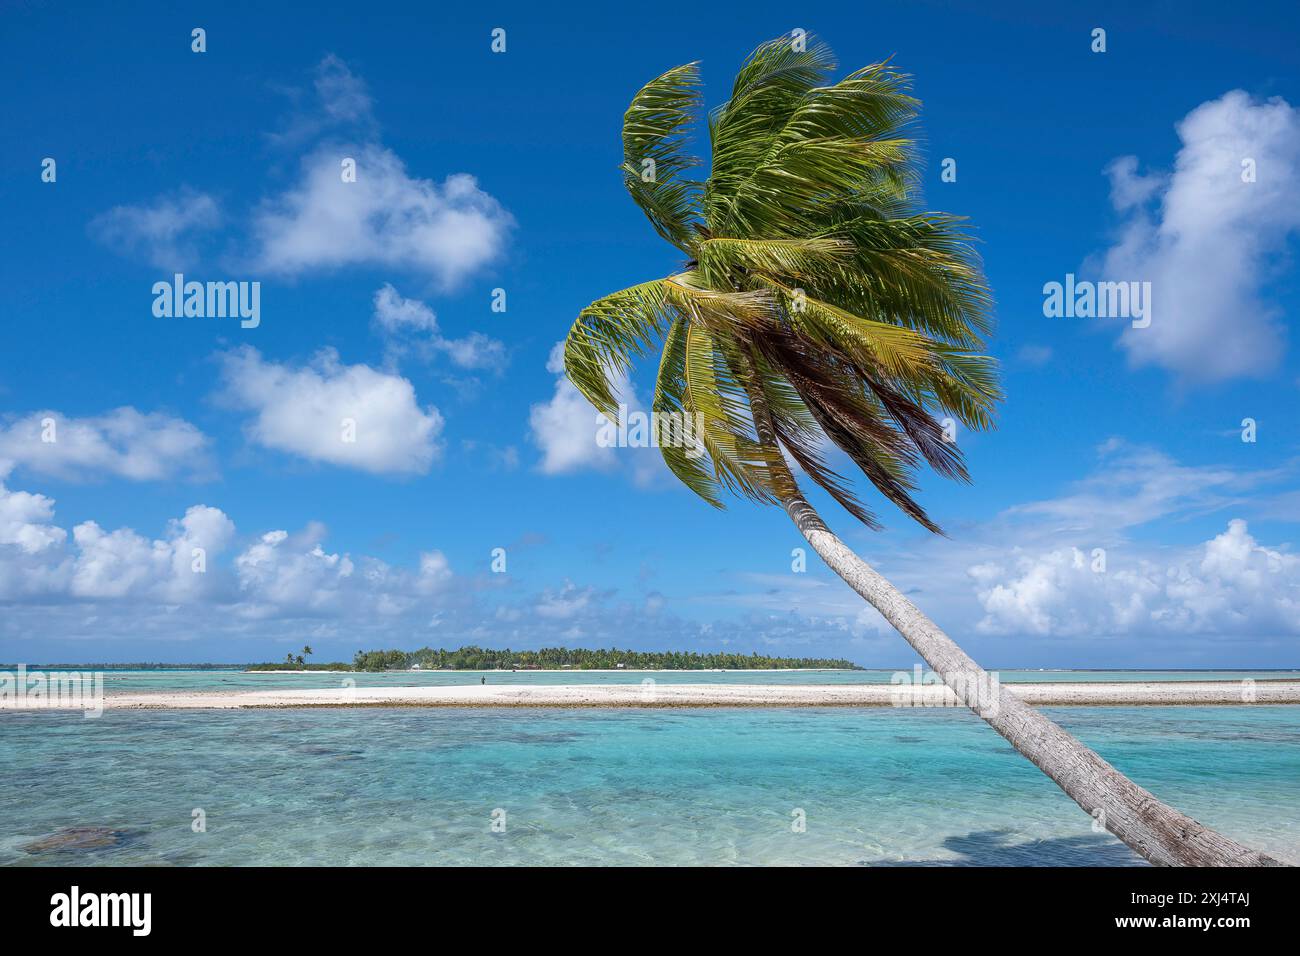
(78, 838)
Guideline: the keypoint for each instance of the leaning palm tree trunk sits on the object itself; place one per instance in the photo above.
(1156, 831)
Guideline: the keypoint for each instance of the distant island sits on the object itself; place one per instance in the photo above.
(557, 658)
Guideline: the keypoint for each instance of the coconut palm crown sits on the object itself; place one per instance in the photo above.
(816, 303)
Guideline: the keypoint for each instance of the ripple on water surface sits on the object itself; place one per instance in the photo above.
(410, 786)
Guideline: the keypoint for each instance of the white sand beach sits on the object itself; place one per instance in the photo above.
(700, 695)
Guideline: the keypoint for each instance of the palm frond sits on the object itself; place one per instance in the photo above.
(768, 89)
(608, 334)
(796, 430)
(653, 162)
(672, 404)
(825, 146)
(718, 400)
(726, 260)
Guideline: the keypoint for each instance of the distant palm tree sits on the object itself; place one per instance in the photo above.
(818, 306)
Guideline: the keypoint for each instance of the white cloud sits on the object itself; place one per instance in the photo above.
(411, 325)
(121, 563)
(435, 571)
(567, 603)
(1035, 355)
(105, 586)
(164, 232)
(396, 315)
(1028, 571)
(280, 572)
(386, 218)
(350, 415)
(1214, 240)
(342, 93)
(278, 575)
(1136, 485)
(36, 560)
(474, 351)
(1229, 585)
(341, 100)
(123, 443)
(25, 521)
(284, 575)
(565, 427)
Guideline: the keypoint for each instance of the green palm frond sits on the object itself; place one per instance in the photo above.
(726, 260)
(896, 350)
(689, 292)
(608, 334)
(770, 86)
(718, 400)
(868, 104)
(810, 146)
(919, 271)
(820, 309)
(653, 163)
(671, 403)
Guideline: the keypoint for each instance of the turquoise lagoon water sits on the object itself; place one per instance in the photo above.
(134, 681)
(416, 786)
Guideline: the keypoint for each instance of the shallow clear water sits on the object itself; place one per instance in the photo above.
(125, 681)
(417, 786)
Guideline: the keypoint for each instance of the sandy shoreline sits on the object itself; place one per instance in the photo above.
(698, 695)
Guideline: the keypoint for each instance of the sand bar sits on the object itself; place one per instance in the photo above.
(1091, 693)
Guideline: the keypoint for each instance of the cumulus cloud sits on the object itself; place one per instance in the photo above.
(439, 230)
(121, 563)
(123, 443)
(350, 415)
(277, 575)
(297, 574)
(409, 325)
(165, 232)
(25, 521)
(385, 218)
(1028, 572)
(39, 559)
(1231, 584)
(565, 427)
(292, 587)
(1213, 239)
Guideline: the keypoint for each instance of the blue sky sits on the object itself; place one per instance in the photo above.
(480, 171)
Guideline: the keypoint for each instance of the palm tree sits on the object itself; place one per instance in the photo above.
(817, 307)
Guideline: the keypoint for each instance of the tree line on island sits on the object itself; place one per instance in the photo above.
(555, 658)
